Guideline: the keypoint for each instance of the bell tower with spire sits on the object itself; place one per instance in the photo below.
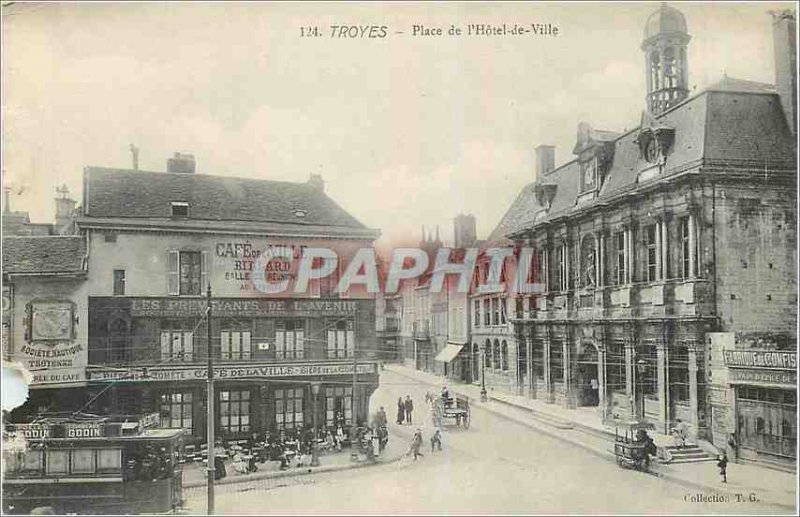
(664, 46)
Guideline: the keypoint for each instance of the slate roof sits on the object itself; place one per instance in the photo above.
(126, 194)
(735, 122)
(520, 211)
(47, 254)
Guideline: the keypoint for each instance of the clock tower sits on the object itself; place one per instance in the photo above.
(664, 46)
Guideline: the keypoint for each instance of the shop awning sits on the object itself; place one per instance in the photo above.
(448, 353)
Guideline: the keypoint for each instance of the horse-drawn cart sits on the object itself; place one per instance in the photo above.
(451, 410)
(633, 449)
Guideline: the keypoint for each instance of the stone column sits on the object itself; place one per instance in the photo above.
(664, 250)
(630, 379)
(601, 266)
(567, 370)
(548, 385)
(662, 360)
(601, 381)
(693, 402)
(529, 362)
(659, 254)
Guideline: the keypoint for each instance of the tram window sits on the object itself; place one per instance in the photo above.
(109, 459)
(57, 462)
(34, 461)
(83, 461)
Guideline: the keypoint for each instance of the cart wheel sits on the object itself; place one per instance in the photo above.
(466, 420)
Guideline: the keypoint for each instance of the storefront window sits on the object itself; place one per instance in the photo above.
(176, 341)
(289, 338)
(338, 405)
(556, 362)
(341, 339)
(765, 420)
(83, 461)
(496, 355)
(57, 462)
(615, 367)
(176, 410)
(190, 272)
(487, 354)
(504, 356)
(537, 359)
(234, 410)
(289, 408)
(109, 459)
(679, 374)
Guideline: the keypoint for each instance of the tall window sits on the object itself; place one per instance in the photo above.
(338, 405)
(487, 312)
(234, 411)
(477, 318)
(496, 355)
(119, 341)
(487, 354)
(502, 304)
(289, 408)
(679, 374)
(541, 269)
(537, 359)
(176, 341)
(686, 245)
(496, 311)
(556, 362)
(341, 339)
(176, 410)
(119, 282)
(615, 367)
(561, 259)
(504, 356)
(619, 258)
(652, 253)
(186, 272)
(235, 340)
(289, 338)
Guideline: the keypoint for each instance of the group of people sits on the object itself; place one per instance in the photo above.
(404, 410)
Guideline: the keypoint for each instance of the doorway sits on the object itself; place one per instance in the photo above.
(587, 381)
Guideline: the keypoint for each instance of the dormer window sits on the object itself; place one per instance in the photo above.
(300, 213)
(180, 209)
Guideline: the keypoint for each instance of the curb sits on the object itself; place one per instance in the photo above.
(602, 454)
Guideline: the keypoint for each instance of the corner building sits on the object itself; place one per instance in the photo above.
(156, 241)
(652, 239)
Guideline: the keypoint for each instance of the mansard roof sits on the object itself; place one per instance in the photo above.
(121, 194)
(735, 123)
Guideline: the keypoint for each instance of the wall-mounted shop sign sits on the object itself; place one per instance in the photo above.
(761, 359)
(786, 378)
(172, 308)
(229, 372)
(51, 320)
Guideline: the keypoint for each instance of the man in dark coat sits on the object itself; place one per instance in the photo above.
(409, 406)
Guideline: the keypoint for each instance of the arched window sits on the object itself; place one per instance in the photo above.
(487, 354)
(476, 361)
(504, 356)
(496, 354)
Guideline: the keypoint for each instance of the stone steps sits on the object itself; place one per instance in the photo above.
(688, 454)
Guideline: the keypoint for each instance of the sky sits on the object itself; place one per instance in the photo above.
(405, 130)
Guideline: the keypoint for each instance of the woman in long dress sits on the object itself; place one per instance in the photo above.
(401, 410)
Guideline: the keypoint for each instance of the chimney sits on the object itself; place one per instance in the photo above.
(783, 37)
(181, 164)
(545, 159)
(465, 231)
(316, 181)
(135, 155)
(65, 209)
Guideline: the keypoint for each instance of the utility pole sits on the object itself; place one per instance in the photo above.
(210, 401)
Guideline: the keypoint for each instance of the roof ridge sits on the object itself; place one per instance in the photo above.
(197, 174)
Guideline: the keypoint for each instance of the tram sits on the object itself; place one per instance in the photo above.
(87, 464)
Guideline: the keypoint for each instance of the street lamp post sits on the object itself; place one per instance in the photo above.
(314, 444)
(353, 412)
(641, 365)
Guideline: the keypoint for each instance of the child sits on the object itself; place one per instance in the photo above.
(723, 466)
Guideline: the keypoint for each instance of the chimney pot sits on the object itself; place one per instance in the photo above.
(181, 164)
(316, 181)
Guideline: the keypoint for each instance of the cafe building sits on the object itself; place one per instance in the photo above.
(158, 240)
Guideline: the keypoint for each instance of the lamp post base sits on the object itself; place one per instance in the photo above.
(314, 456)
(484, 396)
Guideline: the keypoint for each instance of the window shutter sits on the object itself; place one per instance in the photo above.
(188, 346)
(246, 345)
(165, 345)
(331, 344)
(173, 284)
(204, 269)
(299, 344)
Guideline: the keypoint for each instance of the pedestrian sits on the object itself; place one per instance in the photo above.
(382, 420)
(401, 411)
(436, 440)
(723, 466)
(416, 443)
(680, 433)
(409, 406)
(734, 445)
(219, 460)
